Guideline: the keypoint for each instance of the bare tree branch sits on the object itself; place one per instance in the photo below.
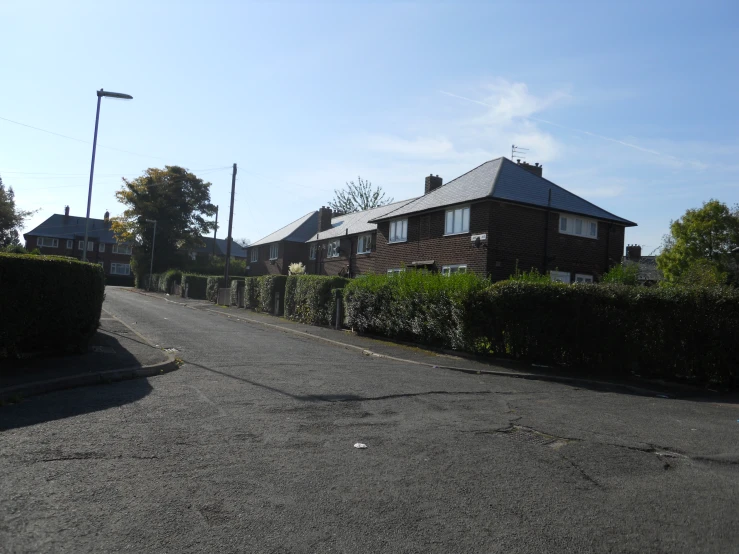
(357, 197)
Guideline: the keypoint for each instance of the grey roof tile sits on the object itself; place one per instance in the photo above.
(56, 226)
(207, 248)
(299, 230)
(357, 222)
(503, 179)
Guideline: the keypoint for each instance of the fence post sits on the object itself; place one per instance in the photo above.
(337, 324)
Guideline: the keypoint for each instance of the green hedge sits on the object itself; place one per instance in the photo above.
(236, 286)
(48, 303)
(251, 292)
(211, 287)
(196, 285)
(412, 305)
(267, 287)
(168, 278)
(312, 298)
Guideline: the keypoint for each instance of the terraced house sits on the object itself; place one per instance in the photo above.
(495, 219)
(64, 235)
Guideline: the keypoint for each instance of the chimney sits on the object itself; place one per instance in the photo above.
(633, 252)
(536, 169)
(324, 219)
(433, 183)
(66, 214)
(106, 219)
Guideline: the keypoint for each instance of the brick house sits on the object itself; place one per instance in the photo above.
(216, 247)
(345, 244)
(496, 217)
(64, 235)
(273, 254)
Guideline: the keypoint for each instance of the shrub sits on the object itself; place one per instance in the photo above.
(532, 276)
(211, 287)
(168, 278)
(196, 285)
(625, 274)
(49, 303)
(268, 286)
(296, 269)
(236, 286)
(412, 305)
(251, 293)
(146, 279)
(312, 298)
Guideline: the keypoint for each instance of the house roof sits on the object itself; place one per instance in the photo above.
(59, 226)
(357, 222)
(236, 250)
(299, 230)
(647, 268)
(502, 179)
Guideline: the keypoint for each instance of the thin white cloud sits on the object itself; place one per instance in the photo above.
(418, 147)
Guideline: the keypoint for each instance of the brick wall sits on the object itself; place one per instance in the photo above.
(349, 258)
(288, 253)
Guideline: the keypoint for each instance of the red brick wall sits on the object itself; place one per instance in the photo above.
(360, 263)
(288, 253)
(93, 255)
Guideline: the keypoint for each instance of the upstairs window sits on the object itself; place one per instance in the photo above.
(457, 221)
(49, 243)
(333, 249)
(274, 251)
(118, 249)
(399, 230)
(364, 244)
(81, 245)
(255, 254)
(578, 226)
(101, 247)
(313, 251)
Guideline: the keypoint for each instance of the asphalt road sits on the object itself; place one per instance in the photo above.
(249, 448)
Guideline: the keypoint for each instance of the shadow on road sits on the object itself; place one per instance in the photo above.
(72, 402)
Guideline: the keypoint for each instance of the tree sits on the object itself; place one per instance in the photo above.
(178, 201)
(699, 246)
(357, 197)
(11, 218)
(243, 242)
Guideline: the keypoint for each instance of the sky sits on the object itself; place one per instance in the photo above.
(631, 105)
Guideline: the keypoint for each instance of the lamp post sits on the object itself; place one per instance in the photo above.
(153, 241)
(100, 94)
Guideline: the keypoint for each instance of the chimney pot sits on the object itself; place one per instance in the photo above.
(535, 169)
(432, 183)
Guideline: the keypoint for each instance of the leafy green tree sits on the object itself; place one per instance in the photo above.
(625, 274)
(179, 202)
(357, 197)
(11, 218)
(699, 246)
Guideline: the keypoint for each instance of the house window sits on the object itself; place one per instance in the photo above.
(395, 270)
(102, 265)
(457, 221)
(193, 256)
(313, 251)
(101, 247)
(578, 226)
(255, 254)
(399, 230)
(274, 251)
(560, 276)
(120, 269)
(118, 249)
(81, 245)
(583, 278)
(45, 241)
(333, 249)
(452, 269)
(70, 244)
(364, 244)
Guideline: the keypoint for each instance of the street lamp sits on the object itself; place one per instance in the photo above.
(100, 94)
(153, 240)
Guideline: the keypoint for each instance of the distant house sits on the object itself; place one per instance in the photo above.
(64, 235)
(273, 254)
(648, 274)
(216, 247)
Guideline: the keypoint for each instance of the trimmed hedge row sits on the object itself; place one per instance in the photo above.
(311, 299)
(196, 285)
(690, 334)
(48, 303)
(268, 286)
(236, 286)
(251, 293)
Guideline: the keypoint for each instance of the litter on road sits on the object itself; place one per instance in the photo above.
(360, 445)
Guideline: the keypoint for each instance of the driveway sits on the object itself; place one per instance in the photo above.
(249, 447)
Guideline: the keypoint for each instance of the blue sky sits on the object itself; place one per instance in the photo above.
(632, 105)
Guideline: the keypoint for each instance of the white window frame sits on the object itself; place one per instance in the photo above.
(561, 276)
(43, 241)
(364, 244)
(120, 269)
(332, 248)
(583, 278)
(274, 251)
(313, 251)
(453, 268)
(457, 221)
(395, 270)
(398, 235)
(101, 247)
(70, 244)
(90, 245)
(578, 226)
(254, 254)
(120, 249)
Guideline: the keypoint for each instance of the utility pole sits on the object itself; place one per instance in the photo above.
(215, 233)
(230, 224)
